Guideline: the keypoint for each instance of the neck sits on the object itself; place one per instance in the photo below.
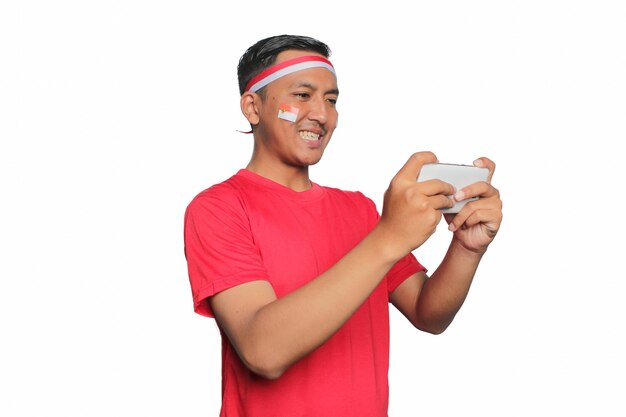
(296, 178)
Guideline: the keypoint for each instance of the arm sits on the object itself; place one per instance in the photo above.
(431, 303)
(271, 334)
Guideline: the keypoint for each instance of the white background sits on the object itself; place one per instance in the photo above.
(113, 115)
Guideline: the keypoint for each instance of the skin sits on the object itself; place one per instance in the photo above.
(271, 334)
(280, 154)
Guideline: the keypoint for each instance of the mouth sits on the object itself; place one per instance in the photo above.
(308, 135)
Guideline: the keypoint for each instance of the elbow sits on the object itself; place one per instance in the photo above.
(267, 372)
(267, 366)
(433, 330)
(433, 327)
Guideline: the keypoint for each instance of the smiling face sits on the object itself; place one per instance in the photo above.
(284, 145)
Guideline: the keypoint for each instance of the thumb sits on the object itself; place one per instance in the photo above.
(412, 167)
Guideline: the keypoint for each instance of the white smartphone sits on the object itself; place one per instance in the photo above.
(458, 175)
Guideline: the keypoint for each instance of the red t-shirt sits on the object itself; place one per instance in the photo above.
(250, 228)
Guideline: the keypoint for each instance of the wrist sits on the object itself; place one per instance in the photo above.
(458, 247)
(386, 244)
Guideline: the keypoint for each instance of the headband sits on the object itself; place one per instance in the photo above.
(287, 67)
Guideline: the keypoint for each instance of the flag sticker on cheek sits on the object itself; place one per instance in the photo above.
(287, 112)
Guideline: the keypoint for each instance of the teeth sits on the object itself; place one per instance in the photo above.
(306, 135)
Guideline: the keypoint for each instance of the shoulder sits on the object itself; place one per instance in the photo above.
(352, 204)
(355, 197)
(226, 196)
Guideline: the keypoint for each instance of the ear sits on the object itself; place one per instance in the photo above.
(249, 107)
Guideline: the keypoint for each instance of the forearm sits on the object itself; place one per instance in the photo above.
(445, 291)
(287, 329)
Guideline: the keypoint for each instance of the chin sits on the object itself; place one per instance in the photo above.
(307, 158)
(310, 161)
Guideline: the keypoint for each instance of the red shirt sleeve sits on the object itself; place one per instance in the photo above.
(219, 247)
(403, 269)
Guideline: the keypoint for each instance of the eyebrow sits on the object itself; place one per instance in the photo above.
(305, 84)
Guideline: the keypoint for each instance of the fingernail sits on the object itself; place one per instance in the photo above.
(478, 163)
(460, 195)
(451, 227)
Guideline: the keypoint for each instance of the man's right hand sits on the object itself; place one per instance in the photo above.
(411, 210)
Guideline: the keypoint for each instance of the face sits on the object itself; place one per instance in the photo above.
(301, 143)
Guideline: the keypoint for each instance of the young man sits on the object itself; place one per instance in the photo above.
(299, 276)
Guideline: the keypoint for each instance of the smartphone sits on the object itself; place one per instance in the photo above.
(458, 175)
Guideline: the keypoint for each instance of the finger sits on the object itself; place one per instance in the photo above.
(412, 167)
(491, 203)
(490, 218)
(436, 186)
(484, 162)
(480, 189)
(456, 220)
(440, 201)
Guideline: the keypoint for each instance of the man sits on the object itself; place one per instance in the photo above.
(299, 276)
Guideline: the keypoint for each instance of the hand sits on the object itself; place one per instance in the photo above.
(477, 224)
(411, 210)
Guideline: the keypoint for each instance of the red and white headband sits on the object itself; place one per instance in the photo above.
(287, 67)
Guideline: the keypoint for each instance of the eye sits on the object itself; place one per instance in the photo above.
(302, 95)
(332, 101)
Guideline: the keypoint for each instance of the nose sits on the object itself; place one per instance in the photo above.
(318, 110)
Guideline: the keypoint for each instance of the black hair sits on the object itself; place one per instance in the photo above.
(262, 54)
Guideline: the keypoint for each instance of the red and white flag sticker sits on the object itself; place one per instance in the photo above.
(287, 112)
